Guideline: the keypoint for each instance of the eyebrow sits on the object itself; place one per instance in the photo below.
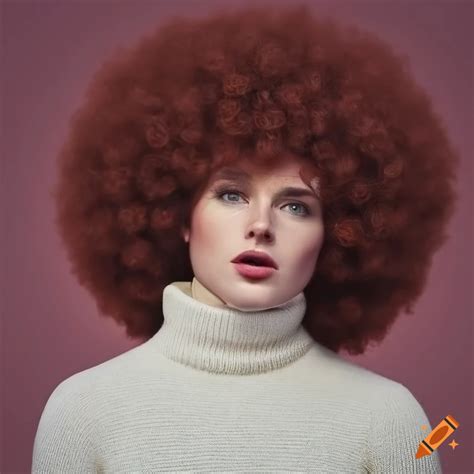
(230, 173)
(241, 176)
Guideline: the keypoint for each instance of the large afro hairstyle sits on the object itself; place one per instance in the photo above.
(197, 93)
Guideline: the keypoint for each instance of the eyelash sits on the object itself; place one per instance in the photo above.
(221, 191)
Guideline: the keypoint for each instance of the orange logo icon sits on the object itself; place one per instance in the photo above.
(438, 436)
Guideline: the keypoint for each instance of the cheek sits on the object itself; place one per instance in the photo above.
(208, 229)
(309, 247)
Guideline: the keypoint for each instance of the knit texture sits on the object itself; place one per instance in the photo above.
(222, 390)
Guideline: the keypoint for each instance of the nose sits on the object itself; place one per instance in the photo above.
(260, 228)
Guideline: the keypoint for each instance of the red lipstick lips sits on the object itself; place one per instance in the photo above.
(254, 264)
(255, 257)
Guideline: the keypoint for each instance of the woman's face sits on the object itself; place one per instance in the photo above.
(241, 209)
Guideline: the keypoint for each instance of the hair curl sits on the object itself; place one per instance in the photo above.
(195, 94)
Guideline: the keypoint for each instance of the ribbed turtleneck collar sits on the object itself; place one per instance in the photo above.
(228, 341)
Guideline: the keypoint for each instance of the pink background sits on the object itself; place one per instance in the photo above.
(50, 326)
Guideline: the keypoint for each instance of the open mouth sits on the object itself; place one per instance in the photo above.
(253, 262)
(255, 259)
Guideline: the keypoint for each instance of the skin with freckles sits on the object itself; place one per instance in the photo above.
(238, 212)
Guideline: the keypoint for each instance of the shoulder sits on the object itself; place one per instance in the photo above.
(65, 437)
(394, 397)
(387, 399)
(397, 422)
(68, 429)
(77, 394)
(395, 409)
(398, 425)
(355, 379)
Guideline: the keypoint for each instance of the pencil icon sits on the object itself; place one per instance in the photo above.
(437, 436)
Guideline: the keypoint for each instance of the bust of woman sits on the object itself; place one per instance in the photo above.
(276, 133)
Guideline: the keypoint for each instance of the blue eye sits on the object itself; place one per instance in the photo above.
(221, 193)
(230, 192)
(302, 206)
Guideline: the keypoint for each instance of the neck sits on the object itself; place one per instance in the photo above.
(200, 293)
(220, 339)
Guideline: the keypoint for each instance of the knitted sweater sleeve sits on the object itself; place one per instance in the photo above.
(395, 434)
(64, 440)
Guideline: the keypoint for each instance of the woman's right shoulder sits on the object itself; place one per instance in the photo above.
(65, 436)
(84, 383)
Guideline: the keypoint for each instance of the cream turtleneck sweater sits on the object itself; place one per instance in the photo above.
(221, 390)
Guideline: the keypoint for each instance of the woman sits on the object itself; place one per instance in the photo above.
(309, 149)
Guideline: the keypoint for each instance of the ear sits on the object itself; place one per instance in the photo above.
(185, 233)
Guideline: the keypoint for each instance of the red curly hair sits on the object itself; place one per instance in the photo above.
(198, 93)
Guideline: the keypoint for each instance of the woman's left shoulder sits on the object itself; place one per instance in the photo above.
(394, 400)
(398, 425)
